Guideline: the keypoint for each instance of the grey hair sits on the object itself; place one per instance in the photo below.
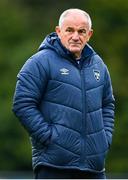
(68, 11)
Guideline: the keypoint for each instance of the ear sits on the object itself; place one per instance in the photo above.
(57, 29)
(90, 33)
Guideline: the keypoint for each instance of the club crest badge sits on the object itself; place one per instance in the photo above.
(96, 74)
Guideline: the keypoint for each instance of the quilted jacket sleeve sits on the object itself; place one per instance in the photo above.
(31, 83)
(108, 107)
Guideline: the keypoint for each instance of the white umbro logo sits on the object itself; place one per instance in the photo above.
(64, 71)
(96, 74)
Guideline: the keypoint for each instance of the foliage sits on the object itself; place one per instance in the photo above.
(24, 24)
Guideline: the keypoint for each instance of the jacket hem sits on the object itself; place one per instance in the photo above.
(69, 167)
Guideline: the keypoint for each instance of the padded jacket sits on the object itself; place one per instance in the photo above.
(67, 108)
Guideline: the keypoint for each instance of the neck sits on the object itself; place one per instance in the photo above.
(78, 58)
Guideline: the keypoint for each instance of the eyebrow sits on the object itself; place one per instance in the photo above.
(81, 28)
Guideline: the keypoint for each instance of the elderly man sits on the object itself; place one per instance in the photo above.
(64, 99)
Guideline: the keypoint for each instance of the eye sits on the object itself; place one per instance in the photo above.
(82, 31)
(69, 30)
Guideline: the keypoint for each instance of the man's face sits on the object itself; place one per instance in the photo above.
(74, 33)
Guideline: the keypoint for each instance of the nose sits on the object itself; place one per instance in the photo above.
(75, 36)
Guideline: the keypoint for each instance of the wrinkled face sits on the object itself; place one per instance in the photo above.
(74, 33)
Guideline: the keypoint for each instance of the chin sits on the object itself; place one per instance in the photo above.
(75, 50)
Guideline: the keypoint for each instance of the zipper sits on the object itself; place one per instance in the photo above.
(83, 130)
(83, 159)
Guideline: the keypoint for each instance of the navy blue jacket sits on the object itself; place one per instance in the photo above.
(67, 108)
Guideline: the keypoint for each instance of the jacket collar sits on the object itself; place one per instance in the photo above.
(53, 42)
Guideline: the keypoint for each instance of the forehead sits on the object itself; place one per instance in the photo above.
(75, 20)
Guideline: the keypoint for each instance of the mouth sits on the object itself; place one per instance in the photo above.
(75, 44)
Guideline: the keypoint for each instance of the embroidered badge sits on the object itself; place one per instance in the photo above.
(64, 71)
(96, 74)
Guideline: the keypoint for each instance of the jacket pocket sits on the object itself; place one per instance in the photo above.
(105, 139)
(54, 135)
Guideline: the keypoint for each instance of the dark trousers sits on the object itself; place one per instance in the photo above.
(45, 172)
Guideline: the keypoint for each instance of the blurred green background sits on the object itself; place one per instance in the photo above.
(23, 25)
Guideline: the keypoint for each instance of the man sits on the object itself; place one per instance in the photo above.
(64, 99)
